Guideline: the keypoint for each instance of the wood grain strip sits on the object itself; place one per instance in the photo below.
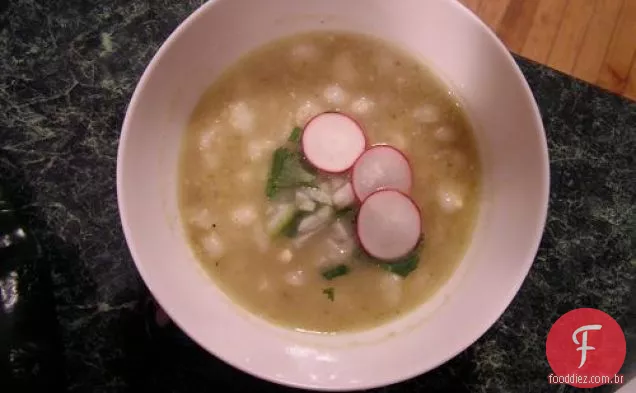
(597, 39)
(618, 61)
(630, 90)
(545, 27)
(492, 12)
(472, 4)
(516, 23)
(570, 36)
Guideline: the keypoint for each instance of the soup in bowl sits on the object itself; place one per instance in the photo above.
(283, 152)
(308, 189)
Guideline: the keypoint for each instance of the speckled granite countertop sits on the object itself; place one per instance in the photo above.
(67, 71)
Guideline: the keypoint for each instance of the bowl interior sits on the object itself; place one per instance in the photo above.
(513, 150)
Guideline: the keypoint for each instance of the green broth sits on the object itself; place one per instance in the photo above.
(252, 109)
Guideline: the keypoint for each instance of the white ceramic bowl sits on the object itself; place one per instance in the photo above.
(512, 144)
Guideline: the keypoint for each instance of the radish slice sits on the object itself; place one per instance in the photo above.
(382, 166)
(388, 225)
(332, 142)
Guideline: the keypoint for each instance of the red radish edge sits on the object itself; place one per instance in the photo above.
(362, 131)
(418, 212)
(378, 145)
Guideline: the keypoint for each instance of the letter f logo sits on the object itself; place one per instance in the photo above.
(584, 347)
(569, 343)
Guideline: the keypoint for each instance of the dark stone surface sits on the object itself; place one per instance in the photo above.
(67, 71)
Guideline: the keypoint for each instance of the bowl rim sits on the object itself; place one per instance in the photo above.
(467, 341)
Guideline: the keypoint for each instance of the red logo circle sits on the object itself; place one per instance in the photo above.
(585, 348)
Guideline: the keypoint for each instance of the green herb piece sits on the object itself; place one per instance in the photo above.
(335, 271)
(281, 218)
(347, 212)
(359, 253)
(294, 174)
(278, 160)
(295, 134)
(291, 229)
(286, 171)
(404, 266)
(330, 293)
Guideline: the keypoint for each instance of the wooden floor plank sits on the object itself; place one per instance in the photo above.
(516, 23)
(594, 40)
(597, 39)
(544, 30)
(492, 12)
(630, 90)
(618, 61)
(570, 36)
(472, 4)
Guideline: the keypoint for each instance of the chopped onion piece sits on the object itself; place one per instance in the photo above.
(244, 215)
(344, 196)
(263, 284)
(339, 251)
(285, 256)
(316, 220)
(299, 241)
(306, 111)
(391, 287)
(202, 218)
(317, 195)
(362, 106)
(278, 216)
(295, 278)
(304, 203)
(305, 52)
(257, 149)
(337, 182)
(241, 117)
(427, 113)
(445, 134)
(260, 238)
(398, 140)
(207, 138)
(449, 197)
(341, 232)
(335, 95)
(213, 245)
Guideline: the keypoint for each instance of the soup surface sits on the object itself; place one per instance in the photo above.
(323, 282)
